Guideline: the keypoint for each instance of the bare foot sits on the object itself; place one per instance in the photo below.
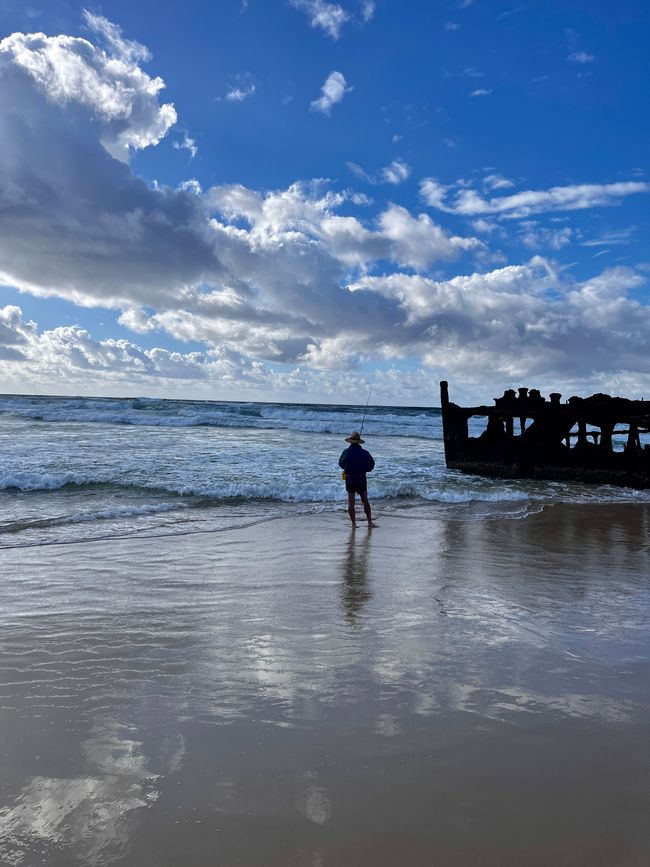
(372, 524)
(354, 526)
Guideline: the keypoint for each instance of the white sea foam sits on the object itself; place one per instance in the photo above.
(38, 481)
(147, 457)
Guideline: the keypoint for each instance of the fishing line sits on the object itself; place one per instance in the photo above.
(364, 413)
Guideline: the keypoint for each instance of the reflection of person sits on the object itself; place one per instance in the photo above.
(354, 591)
(355, 463)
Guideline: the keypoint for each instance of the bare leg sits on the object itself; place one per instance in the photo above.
(366, 508)
(351, 509)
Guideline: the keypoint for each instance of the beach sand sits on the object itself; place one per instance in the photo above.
(434, 692)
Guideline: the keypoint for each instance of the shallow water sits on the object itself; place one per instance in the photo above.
(435, 691)
(79, 468)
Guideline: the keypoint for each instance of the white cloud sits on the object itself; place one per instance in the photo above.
(419, 242)
(188, 144)
(126, 49)
(450, 26)
(397, 172)
(580, 57)
(434, 193)
(73, 220)
(394, 173)
(333, 90)
(497, 182)
(612, 239)
(368, 10)
(236, 94)
(70, 354)
(486, 227)
(108, 85)
(536, 237)
(523, 322)
(243, 89)
(330, 17)
(520, 322)
(360, 172)
(262, 276)
(481, 92)
(570, 198)
(279, 216)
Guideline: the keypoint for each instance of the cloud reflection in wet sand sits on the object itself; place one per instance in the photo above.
(94, 815)
(313, 639)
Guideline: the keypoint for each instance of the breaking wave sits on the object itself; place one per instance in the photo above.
(206, 493)
(384, 421)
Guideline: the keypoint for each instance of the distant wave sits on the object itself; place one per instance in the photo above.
(380, 421)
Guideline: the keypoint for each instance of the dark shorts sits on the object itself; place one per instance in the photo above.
(356, 486)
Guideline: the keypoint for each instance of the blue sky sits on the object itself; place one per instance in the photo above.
(324, 197)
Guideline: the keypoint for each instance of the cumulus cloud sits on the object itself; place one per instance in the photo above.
(333, 90)
(482, 91)
(434, 193)
(569, 198)
(417, 242)
(526, 322)
(521, 322)
(263, 273)
(71, 354)
(396, 172)
(74, 221)
(283, 276)
(330, 17)
(108, 85)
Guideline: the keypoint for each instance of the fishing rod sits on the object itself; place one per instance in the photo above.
(364, 413)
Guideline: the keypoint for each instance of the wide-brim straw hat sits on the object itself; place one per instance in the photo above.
(355, 437)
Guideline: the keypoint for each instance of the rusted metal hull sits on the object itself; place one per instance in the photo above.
(542, 440)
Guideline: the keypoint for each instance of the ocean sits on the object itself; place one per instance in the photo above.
(79, 468)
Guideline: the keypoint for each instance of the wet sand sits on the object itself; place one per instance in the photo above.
(448, 692)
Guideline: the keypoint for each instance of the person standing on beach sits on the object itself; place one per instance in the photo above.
(355, 463)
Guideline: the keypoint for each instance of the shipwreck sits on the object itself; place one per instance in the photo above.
(598, 439)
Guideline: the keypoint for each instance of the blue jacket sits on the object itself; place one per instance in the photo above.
(356, 462)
